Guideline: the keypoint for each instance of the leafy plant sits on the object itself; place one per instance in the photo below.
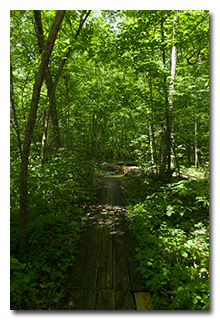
(173, 242)
(57, 215)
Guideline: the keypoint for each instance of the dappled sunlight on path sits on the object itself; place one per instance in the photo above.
(104, 276)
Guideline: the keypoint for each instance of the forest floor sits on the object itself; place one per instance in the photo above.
(104, 276)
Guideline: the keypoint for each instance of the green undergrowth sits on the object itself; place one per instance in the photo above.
(171, 225)
(58, 203)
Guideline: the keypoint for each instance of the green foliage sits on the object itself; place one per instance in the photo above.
(110, 103)
(171, 226)
(36, 283)
(113, 88)
(58, 203)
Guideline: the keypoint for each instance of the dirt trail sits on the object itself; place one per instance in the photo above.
(104, 276)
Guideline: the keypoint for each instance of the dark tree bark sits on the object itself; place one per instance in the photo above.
(30, 126)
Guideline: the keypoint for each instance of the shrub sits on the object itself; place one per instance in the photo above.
(171, 229)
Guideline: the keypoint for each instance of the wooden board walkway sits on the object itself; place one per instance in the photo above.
(104, 276)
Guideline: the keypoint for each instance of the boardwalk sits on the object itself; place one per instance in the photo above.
(104, 276)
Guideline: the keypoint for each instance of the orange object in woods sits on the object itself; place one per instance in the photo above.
(123, 170)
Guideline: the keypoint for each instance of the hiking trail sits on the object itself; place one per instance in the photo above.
(104, 276)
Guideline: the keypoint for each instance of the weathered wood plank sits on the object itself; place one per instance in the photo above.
(105, 267)
(81, 299)
(87, 300)
(143, 300)
(90, 266)
(105, 300)
(84, 273)
(136, 280)
(124, 300)
(74, 299)
(75, 273)
(122, 227)
(121, 274)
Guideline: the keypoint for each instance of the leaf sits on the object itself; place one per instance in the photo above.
(169, 211)
(184, 254)
(194, 300)
(26, 278)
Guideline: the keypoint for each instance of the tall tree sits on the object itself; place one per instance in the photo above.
(31, 122)
(171, 100)
(52, 86)
(14, 114)
(52, 106)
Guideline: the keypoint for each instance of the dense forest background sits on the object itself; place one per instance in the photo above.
(129, 87)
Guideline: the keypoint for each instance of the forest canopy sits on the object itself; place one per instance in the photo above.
(115, 94)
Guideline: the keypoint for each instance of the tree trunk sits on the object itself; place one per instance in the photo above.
(171, 89)
(166, 149)
(151, 128)
(14, 110)
(173, 62)
(150, 137)
(30, 126)
(196, 129)
(169, 139)
(49, 82)
(68, 115)
(52, 109)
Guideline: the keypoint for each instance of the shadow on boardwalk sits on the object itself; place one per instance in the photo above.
(104, 276)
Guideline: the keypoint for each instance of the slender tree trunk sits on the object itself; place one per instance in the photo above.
(169, 139)
(171, 89)
(49, 82)
(151, 137)
(14, 110)
(52, 109)
(30, 126)
(166, 150)
(196, 129)
(44, 136)
(68, 115)
(151, 128)
(173, 62)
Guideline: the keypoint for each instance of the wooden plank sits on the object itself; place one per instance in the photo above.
(121, 274)
(90, 267)
(143, 301)
(124, 300)
(87, 300)
(81, 299)
(105, 300)
(137, 283)
(84, 273)
(75, 273)
(74, 299)
(129, 242)
(105, 267)
(136, 280)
